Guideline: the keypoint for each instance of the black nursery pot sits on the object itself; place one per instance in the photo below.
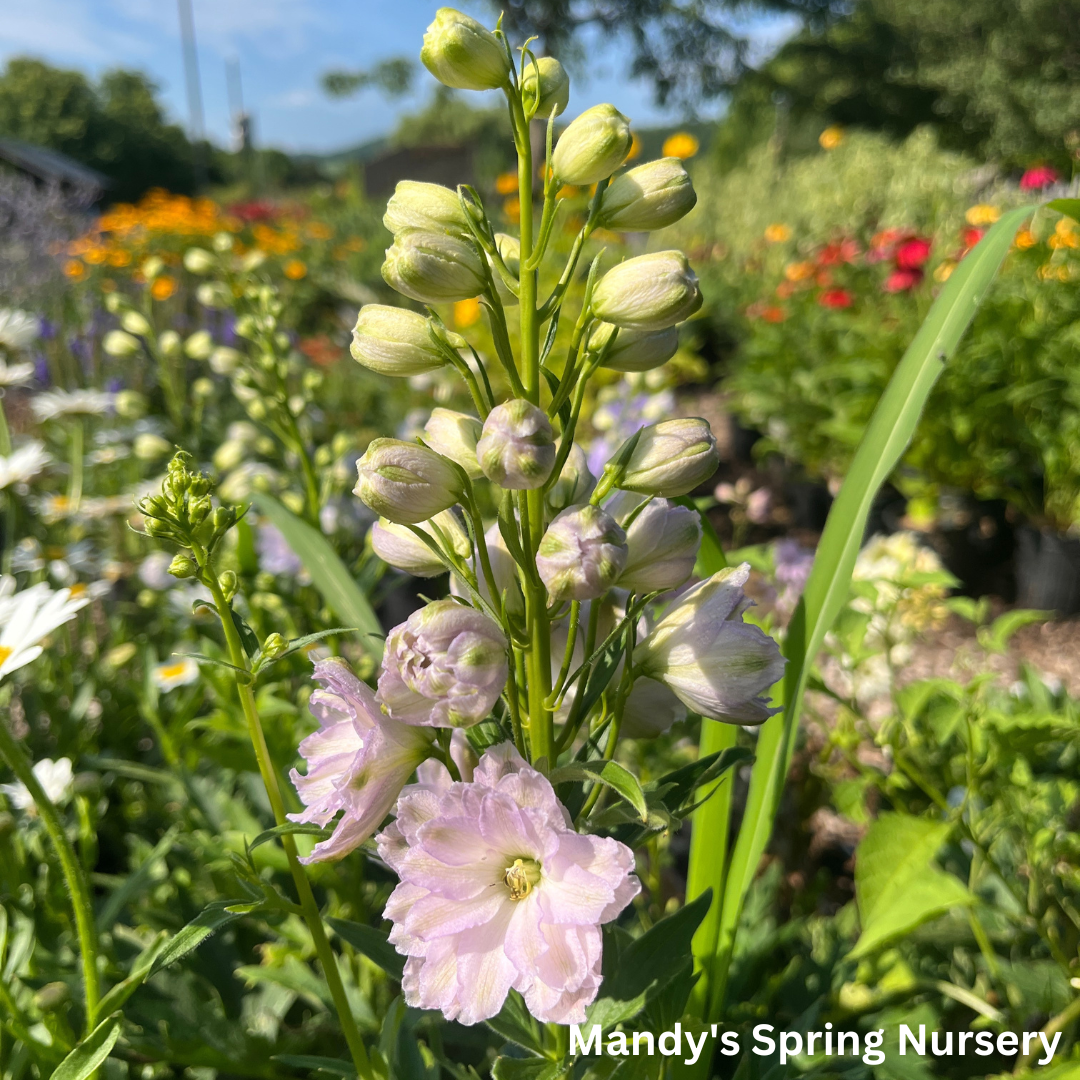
(1047, 571)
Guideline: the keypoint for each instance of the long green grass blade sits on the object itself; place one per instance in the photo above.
(328, 573)
(887, 436)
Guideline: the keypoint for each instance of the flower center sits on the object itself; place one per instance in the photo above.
(521, 877)
(5, 652)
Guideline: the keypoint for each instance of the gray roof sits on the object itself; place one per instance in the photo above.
(50, 165)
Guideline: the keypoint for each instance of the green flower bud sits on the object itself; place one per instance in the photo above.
(593, 146)
(253, 260)
(462, 53)
(199, 510)
(405, 482)
(183, 566)
(135, 322)
(228, 455)
(199, 260)
(510, 252)
(52, 996)
(517, 447)
(199, 345)
(203, 388)
(152, 268)
(635, 350)
(213, 294)
(224, 361)
(433, 267)
(274, 646)
(170, 343)
(650, 292)
(652, 196)
(671, 458)
(120, 344)
(130, 404)
(229, 583)
(554, 88)
(150, 447)
(426, 207)
(455, 435)
(393, 341)
(575, 482)
(224, 518)
(402, 549)
(115, 302)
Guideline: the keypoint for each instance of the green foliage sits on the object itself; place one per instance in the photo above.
(117, 127)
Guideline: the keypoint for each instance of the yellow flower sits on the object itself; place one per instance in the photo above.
(1065, 235)
(319, 230)
(506, 183)
(681, 145)
(1025, 239)
(119, 257)
(944, 270)
(777, 233)
(982, 214)
(831, 137)
(467, 313)
(95, 256)
(295, 269)
(799, 271)
(635, 147)
(163, 287)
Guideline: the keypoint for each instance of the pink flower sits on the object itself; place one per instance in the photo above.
(498, 892)
(836, 298)
(358, 761)
(902, 280)
(912, 254)
(1037, 178)
(445, 666)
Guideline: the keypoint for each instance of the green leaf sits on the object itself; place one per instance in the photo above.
(372, 943)
(329, 574)
(611, 773)
(140, 969)
(334, 1066)
(515, 1023)
(897, 885)
(995, 637)
(679, 785)
(207, 922)
(648, 963)
(601, 674)
(290, 828)
(1071, 207)
(511, 1068)
(883, 443)
(91, 1052)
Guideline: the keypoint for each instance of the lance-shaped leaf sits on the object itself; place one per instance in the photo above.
(91, 1052)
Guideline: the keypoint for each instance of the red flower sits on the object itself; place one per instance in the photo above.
(912, 254)
(769, 312)
(839, 251)
(902, 280)
(1037, 178)
(882, 244)
(972, 237)
(255, 210)
(836, 298)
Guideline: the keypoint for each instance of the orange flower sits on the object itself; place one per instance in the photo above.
(95, 255)
(74, 269)
(567, 191)
(831, 137)
(512, 210)
(799, 271)
(982, 214)
(119, 257)
(681, 145)
(295, 269)
(1025, 239)
(319, 230)
(467, 313)
(777, 233)
(635, 147)
(506, 183)
(163, 287)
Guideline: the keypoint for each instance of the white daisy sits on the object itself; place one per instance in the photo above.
(56, 403)
(28, 616)
(24, 464)
(18, 329)
(55, 777)
(15, 374)
(173, 673)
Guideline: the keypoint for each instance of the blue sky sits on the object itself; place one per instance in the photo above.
(283, 46)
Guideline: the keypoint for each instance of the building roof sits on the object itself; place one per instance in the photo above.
(50, 165)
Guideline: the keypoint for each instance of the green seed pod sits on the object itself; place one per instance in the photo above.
(462, 53)
(652, 196)
(592, 147)
(554, 88)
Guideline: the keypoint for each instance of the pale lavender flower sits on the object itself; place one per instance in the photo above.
(275, 554)
(663, 542)
(517, 447)
(716, 664)
(445, 666)
(581, 555)
(793, 564)
(498, 892)
(357, 762)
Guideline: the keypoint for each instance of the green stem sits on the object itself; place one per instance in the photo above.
(75, 485)
(74, 878)
(312, 915)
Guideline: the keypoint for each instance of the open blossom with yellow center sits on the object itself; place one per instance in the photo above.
(680, 145)
(28, 617)
(182, 671)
